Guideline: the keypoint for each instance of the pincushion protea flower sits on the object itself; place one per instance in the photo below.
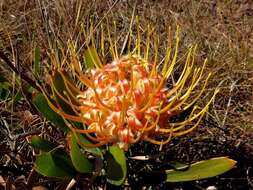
(127, 100)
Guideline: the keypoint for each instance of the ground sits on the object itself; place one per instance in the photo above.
(221, 29)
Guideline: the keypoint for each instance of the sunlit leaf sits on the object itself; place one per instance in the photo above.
(201, 170)
(42, 144)
(41, 104)
(54, 164)
(91, 57)
(83, 141)
(79, 160)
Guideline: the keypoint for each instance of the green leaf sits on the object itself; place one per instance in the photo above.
(201, 170)
(3, 79)
(79, 160)
(91, 57)
(41, 104)
(36, 60)
(42, 144)
(116, 165)
(4, 90)
(29, 89)
(64, 159)
(17, 97)
(178, 165)
(83, 141)
(5, 87)
(61, 88)
(54, 164)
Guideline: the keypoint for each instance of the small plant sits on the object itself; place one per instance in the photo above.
(104, 108)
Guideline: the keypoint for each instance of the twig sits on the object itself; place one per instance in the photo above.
(71, 184)
(250, 182)
(130, 28)
(229, 103)
(9, 184)
(29, 133)
(22, 75)
(97, 25)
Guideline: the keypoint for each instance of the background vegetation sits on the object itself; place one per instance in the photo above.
(223, 32)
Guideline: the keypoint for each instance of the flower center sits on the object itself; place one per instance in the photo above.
(114, 108)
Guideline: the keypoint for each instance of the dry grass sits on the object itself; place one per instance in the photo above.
(222, 30)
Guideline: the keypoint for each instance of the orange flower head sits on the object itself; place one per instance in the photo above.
(123, 87)
(127, 100)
